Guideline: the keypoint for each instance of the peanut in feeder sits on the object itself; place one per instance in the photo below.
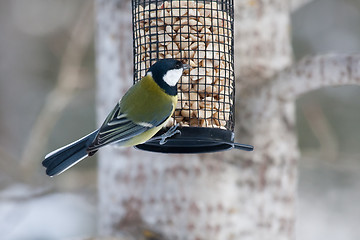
(200, 33)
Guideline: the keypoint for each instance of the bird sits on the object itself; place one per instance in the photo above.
(137, 117)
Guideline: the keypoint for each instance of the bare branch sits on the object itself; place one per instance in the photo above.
(322, 130)
(68, 80)
(276, 97)
(297, 4)
(313, 73)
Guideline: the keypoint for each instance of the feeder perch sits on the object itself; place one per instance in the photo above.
(200, 33)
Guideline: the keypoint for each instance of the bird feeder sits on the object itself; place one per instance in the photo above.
(200, 33)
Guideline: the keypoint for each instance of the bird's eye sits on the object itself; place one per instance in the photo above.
(177, 66)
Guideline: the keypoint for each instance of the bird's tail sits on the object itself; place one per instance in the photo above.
(63, 158)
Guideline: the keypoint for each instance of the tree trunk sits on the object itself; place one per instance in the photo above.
(227, 195)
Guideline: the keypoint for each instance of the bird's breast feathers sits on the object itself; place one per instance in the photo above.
(146, 101)
(141, 113)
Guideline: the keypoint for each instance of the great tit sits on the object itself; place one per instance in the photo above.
(138, 116)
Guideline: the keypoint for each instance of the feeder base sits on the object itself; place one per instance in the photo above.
(192, 140)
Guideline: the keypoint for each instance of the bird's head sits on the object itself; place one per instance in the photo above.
(166, 73)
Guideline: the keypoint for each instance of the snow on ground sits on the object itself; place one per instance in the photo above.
(329, 193)
(51, 216)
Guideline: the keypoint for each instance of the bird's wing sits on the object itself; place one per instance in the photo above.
(119, 128)
(143, 107)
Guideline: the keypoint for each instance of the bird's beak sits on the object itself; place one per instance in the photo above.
(186, 66)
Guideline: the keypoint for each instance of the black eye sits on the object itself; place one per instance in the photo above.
(178, 65)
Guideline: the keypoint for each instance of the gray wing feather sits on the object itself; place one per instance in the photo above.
(118, 128)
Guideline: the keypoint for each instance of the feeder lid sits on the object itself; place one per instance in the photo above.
(195, 140)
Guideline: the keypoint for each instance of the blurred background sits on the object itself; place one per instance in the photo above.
(45, 44)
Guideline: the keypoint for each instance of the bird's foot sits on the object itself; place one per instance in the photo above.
(169, 133)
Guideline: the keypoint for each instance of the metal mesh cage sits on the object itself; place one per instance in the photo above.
(200, 33)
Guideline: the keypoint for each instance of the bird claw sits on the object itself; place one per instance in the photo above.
(169, 133)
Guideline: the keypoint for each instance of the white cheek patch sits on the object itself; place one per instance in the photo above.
(173, 76)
